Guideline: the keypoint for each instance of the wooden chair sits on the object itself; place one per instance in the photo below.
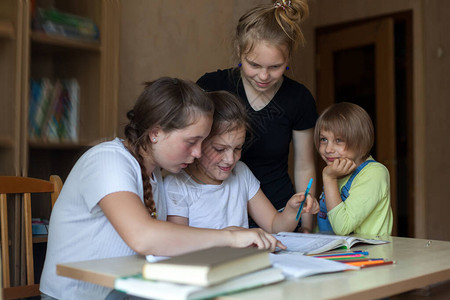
(23, 186)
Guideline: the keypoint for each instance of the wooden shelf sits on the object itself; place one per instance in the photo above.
(61, 41)
(6, 29)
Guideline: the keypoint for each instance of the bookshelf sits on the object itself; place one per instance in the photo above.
(93, 64)
(25, 54)
(10, 85)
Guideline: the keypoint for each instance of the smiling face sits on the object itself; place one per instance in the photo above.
(175, 150)
(220, 155)
(264, 66)
(333, 147)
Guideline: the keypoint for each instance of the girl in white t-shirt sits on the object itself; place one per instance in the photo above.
(219, 191)
(112, 203)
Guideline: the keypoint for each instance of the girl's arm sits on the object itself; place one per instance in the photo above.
(146, 235)
(178, 220)
(304, 168)
(268, 218)
(331, 173)
(367, 193)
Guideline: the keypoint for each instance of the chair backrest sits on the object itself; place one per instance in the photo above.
(24, 187)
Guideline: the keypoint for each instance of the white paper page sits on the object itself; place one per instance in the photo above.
(154, 258)
(305, 243)
(294, 265)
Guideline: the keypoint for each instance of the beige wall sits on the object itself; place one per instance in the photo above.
(190, 37)
(174, 38)
(436, 103)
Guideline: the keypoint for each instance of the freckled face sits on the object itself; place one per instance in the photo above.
(264, 66)
(220, 155)
(176, 149)
(333, 147)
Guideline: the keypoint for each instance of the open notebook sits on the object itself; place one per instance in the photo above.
(303, 243)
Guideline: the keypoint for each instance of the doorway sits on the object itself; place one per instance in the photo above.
(369, 63)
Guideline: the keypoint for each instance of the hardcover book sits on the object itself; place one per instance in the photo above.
(207, 267)
(162, 290)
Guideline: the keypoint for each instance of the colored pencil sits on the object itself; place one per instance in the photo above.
(370, 263)
(359, 260)
(338, 258)
(306, 194)
(390, 262)
(342, 254)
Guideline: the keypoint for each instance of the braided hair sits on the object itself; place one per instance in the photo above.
(169, 103)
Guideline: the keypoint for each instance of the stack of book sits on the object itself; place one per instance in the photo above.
(53, 110)
(202, 274)
(217, 271)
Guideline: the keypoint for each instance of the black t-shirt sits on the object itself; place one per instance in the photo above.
(266, 148)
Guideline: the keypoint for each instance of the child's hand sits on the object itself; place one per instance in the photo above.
(311, 205)
(255, 237)
(339, 168)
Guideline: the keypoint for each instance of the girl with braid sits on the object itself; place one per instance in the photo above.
(281, 111)
(113, 202)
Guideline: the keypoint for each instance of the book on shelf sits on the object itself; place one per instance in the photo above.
(137, 285)
(207, 267)
(54, 110)
(55, 22)
(305, 243)
(50, 124)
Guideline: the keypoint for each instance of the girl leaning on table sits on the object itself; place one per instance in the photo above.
(280, 109)
(112, 203)
(356, 190)
(218, 190)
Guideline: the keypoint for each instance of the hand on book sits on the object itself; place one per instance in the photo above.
(254, 237)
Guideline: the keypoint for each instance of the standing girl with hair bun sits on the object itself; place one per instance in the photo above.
(280, 109)
(113, 202)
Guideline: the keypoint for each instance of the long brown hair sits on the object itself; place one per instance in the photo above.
(169, 103)
(229, 113)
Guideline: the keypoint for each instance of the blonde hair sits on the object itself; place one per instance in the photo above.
(350, 122)
(277, 24)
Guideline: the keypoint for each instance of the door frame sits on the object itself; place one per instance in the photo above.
(379, 32)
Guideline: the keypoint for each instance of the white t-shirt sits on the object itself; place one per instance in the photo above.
(78, 228)
(212, 206)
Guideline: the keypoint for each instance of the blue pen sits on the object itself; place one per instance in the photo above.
(301, 205)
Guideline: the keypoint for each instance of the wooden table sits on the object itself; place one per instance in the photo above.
(419, 263)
